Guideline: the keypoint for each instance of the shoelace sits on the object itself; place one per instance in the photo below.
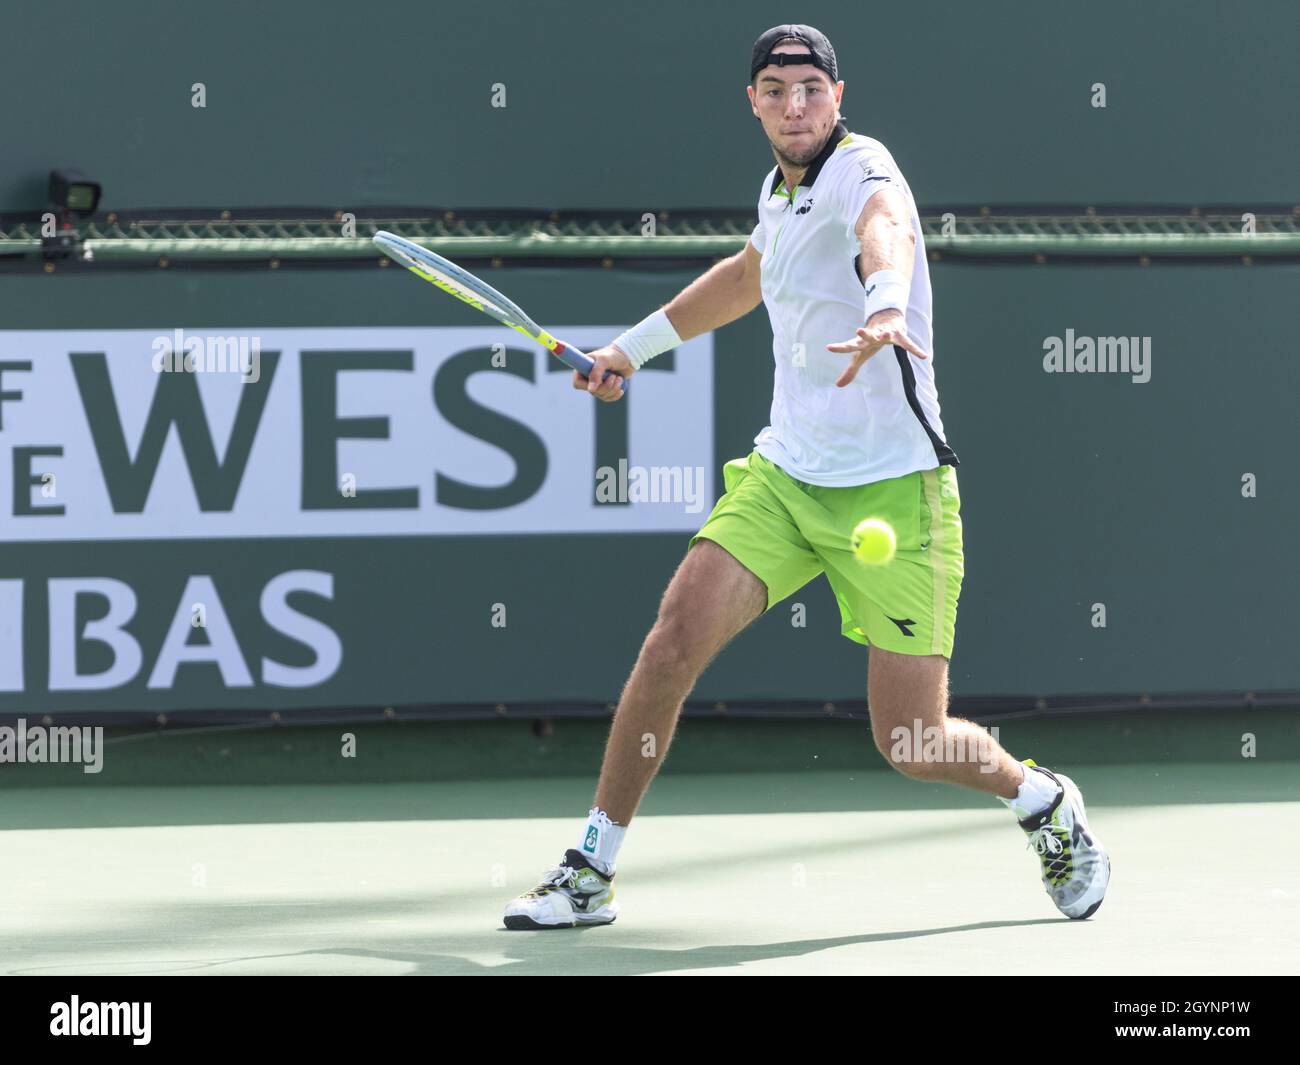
(1049, 847)
(561, 876)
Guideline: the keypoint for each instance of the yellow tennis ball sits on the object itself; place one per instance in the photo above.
(873, 541)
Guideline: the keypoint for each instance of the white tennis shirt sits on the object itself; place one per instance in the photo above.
(886, 422)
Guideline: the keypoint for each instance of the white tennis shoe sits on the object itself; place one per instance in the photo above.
(572, 893)
(1076, 867)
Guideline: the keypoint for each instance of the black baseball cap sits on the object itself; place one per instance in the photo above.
(820, 53)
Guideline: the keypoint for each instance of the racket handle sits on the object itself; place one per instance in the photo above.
(581, 362)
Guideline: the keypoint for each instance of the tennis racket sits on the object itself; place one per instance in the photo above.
(460, 283)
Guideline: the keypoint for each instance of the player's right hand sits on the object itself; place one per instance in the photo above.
(602, 383)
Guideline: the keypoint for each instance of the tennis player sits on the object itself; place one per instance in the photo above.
(839, 260)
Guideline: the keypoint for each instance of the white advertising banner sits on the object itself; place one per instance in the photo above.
(383, 431)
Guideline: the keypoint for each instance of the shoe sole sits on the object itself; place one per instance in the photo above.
(518, 922)
(1076, 795)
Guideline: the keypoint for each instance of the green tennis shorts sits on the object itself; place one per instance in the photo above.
(786, 532)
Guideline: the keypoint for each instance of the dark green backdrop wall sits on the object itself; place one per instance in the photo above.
(1077, 489)
(340, 105)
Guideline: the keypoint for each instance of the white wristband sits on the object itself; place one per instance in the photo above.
(886, 290)
(650, 337)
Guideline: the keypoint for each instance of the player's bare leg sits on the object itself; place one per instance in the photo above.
(710, 599)
(908, 700)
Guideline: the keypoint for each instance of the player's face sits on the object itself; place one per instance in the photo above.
(798, 107)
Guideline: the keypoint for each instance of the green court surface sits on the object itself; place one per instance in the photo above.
(836, 870)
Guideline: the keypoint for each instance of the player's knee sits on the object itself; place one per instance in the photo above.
(670, 648)
(905, 756)
(918, 769)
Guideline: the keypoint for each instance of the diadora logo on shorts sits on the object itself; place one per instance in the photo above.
(902, 624)
(590, 843)
(806, 207)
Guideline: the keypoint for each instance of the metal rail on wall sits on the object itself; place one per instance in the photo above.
(271, 238)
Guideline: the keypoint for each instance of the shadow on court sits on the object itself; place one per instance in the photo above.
(534, 955)
(540, 954)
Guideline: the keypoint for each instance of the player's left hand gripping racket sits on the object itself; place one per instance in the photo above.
(480, 295)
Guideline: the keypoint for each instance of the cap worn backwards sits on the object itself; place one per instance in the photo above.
(820, 53)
